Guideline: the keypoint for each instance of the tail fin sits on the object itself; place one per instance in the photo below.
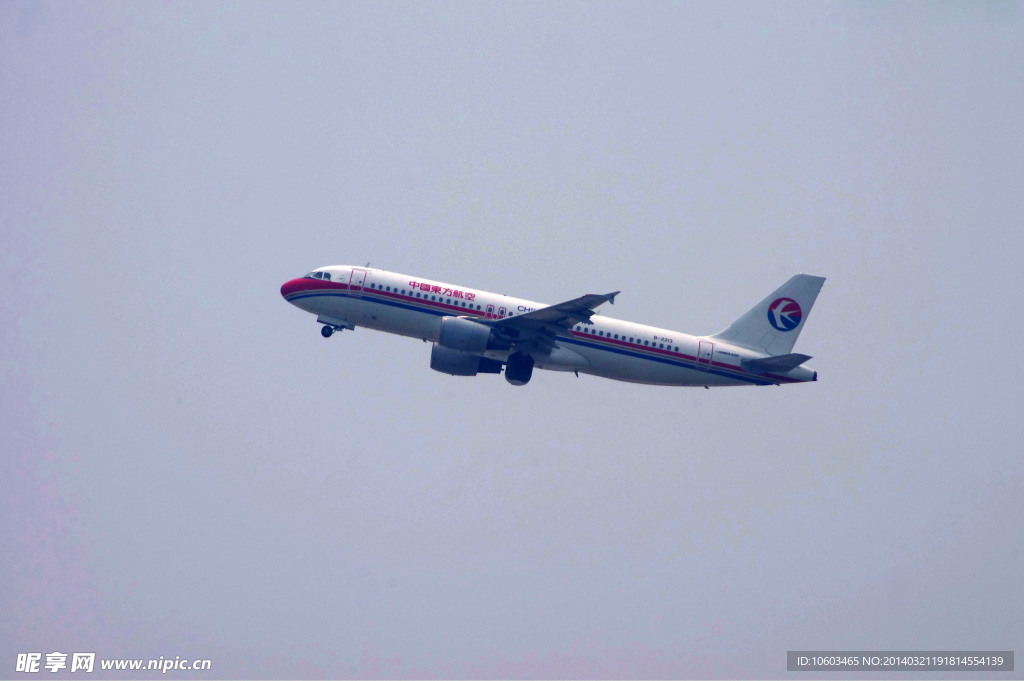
(772, 325)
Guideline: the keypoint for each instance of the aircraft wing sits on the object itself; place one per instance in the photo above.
(536, 331)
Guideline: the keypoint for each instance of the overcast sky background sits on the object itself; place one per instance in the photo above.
(189, 469)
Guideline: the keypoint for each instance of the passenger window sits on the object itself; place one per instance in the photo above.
(646, 343)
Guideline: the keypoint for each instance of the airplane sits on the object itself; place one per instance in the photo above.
(478, 332)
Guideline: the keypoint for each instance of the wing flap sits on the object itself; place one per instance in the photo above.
(535, 331)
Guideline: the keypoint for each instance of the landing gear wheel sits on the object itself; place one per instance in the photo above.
(518, 368)
(326, 331)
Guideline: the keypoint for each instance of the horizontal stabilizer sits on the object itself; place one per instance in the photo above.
(778, 363)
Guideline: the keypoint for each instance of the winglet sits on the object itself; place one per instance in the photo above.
(611, 297)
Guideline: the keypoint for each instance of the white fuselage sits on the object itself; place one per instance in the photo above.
(611, 348)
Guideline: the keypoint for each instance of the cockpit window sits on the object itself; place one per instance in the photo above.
(327, 275)
(311, 275)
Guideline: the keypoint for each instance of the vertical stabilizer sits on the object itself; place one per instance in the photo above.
(772, 326)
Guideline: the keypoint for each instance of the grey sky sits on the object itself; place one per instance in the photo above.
(190, 469)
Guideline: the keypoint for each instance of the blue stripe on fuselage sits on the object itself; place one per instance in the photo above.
(372, 296)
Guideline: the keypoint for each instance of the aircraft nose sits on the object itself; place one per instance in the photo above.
(291, 286)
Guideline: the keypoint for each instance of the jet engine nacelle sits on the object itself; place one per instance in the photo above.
(457, 363)
(465, 335)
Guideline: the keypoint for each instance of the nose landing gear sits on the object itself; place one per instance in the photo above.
(332, 324)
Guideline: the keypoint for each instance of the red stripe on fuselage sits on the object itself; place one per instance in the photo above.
(297, 286)
(290, 288)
